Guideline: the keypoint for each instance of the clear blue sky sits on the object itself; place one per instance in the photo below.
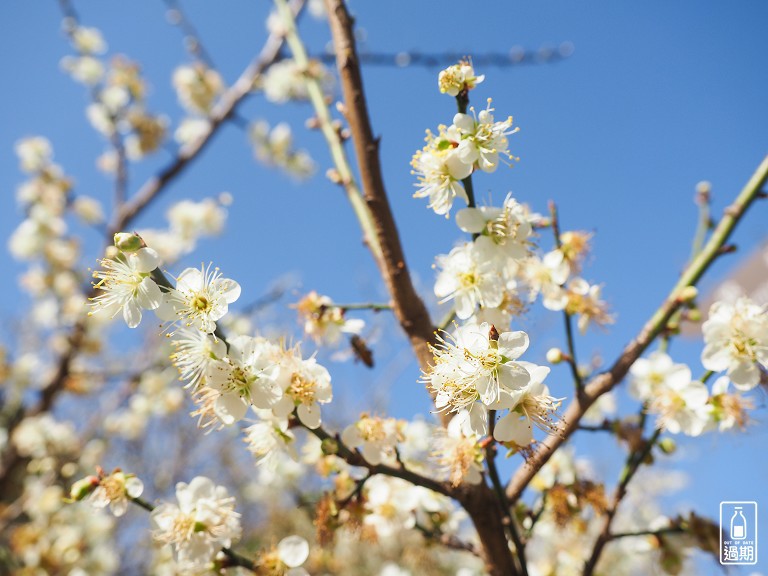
(657, 96)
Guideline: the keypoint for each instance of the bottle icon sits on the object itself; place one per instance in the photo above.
(738, 525)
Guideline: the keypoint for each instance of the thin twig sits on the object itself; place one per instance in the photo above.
(408, 306)
(572, 361)
(605, 381)
(504, 505)
(354, 458)
(178, 18)
(121, 170)
(632, 465)
(364, 306)
(657, 532)
(447, 540)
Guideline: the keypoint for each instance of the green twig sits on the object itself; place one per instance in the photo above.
(330, 131)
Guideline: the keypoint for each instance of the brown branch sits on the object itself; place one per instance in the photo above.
(447, 540)
(479, 501)
(605, 381)
(354, 458)
(408, 306)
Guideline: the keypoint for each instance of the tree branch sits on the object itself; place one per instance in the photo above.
(408, 306)
(354, 458)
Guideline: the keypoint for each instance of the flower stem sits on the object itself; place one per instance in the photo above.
(462, 103)
(577, 379)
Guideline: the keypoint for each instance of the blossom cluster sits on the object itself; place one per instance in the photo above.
(472, 142)
(736, 342)
(325, 322)
(274, 147)
(493, 278)
(227, 377)
(199, 525)
(118, 109)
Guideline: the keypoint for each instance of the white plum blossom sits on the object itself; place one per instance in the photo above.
(508, 227)
(457, 453)
(584, 299)
(440, 172)
(274, 147)
(126, 286)
(88, 40)
(195, 352)
(191, 129)
(203, 521)
(323, 321)
(546, 276)
(268, 439)
(85, 69)
(729, 409)
(736, 341)
(293, 551)
(389, 505)
(482, 139)
(201, 297)
(247, 376)
(309, 385)
(469, 277)
(457, 78)
(681, 406)
(658, 370)
(114, 490)
(477, 363)
(285, 80)
(88, 209)
(375, 437)
(34, 153)
(529, 406)
(197, 87)
(191, 219)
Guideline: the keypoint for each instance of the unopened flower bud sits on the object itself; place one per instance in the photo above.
(703, 190)
(128, 242)
(329, 446)
(694, 315)
(554, 356)
(667, 445)
(688, 294)
(83, 488)
(333, 175)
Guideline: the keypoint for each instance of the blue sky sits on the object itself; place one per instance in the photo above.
(657, 96)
